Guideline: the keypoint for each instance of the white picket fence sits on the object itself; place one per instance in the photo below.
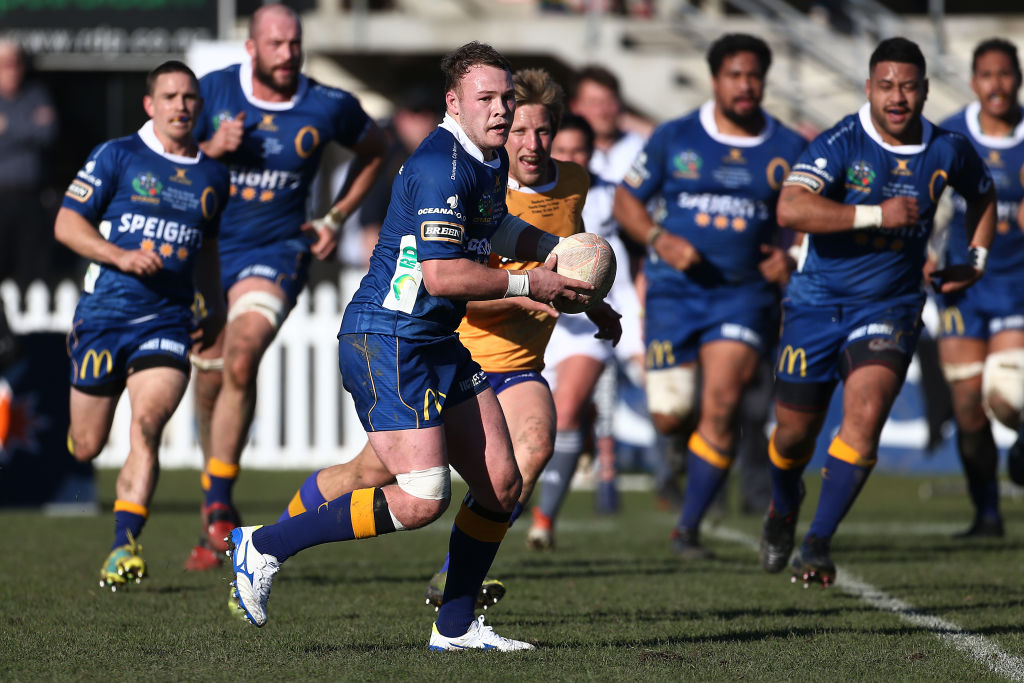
(304, 418)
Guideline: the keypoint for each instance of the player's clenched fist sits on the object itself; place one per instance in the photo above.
(139, 262)
(899, 212)
(228, 136)
(676, 251)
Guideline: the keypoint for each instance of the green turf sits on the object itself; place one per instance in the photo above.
(611, 603)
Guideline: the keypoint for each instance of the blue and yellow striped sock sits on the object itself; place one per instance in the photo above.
(308, 497)
(218, 479)
(362, 513)
(842, 478)
(476, 537)
(786, 475)
(516, 511)
(128, 519)
(706, 469)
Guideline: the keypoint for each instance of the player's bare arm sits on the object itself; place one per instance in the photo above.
(365, 167)
(980, 223)
(226, 138)
(208, 287)
(806, 211)
(632, 215)
(79, 235)
(468, 280)
(497, 306)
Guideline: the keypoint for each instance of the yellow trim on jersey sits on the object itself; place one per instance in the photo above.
(361, 513)
(708, 453)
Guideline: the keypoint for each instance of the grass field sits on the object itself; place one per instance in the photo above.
(611, 603)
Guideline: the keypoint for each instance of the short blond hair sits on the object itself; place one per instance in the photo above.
(535, 86)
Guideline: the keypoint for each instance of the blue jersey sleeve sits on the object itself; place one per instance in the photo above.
(817, 168)
(95, 184)
(969, 175)
(647, 173)
(351, 122)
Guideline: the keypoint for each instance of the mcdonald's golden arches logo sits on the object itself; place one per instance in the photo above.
(660, 354)
(97, 360)
(952, 321)
(432, 397)
(788, 359)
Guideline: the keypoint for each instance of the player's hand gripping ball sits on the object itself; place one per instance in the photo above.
(589, 257)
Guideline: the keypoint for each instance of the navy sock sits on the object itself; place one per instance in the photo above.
(308, 497)
(786, 476)
(476, 537)
(980, 460)
(706, 469)
(129, 518)
(842, 478)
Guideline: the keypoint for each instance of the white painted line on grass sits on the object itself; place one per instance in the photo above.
(977, 647)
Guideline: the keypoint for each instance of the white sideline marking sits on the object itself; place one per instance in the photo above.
(977, 647)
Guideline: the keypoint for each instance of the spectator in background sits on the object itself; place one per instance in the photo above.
(28, 127)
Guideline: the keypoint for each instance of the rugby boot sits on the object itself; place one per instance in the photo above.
(686, 544)
(777, 536)
(478, 637)
(813, 563)
(491, 591)
(218, 521)
(123, 566)
(982, 527)
(203, 558)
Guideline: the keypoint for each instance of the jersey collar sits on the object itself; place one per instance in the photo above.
(245, 80)
(971, 115)
(707, 120)
(453, 127)
(869, 127)
(150, 139)
(513, 184)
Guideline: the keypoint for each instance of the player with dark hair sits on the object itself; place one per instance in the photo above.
(144, 210)
(981, 346)
(269, 125)
(865, 193)
(422, 399)
(714, 266)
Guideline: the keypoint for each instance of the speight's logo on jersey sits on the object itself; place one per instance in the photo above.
(735, 156)
(860, 176)
(687, 164)
(994, 159)
(902, 168)
(267, 123)
(147, 188)
(180, 177)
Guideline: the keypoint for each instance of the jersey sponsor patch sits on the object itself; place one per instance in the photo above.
(405, 283)
(79, 191)
(434, 231)
(812, 183)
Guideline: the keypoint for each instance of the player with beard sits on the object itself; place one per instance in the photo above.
(865, 192)
(982, 330)
(269, 124)
(713, 268)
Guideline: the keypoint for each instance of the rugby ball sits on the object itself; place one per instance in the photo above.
(589, 257)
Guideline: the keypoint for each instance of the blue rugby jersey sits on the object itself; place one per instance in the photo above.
(140, 197)
(272, 170)
(446, 202)
(850, 163)
(1004, 157)
(720, 193)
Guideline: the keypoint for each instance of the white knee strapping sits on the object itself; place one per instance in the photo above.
(206, 364)
(957, 372)
(671, 391)
(263, 303)
(1004, 377)
(434, 483)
